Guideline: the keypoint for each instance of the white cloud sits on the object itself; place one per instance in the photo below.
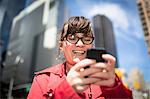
(112, 11)
(123, 22)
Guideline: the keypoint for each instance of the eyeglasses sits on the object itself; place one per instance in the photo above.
(74, 39)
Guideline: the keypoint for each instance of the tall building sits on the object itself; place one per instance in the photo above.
(32, 44)
(144, 11)
(103, 31)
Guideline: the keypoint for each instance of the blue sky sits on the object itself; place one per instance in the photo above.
(130, 43)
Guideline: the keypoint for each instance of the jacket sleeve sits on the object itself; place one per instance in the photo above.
(35, 90)
(118, 91)
(65, 91)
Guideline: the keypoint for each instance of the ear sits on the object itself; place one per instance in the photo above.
(92, 45)
(60, 45)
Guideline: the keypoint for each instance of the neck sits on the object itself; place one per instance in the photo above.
(68, 66)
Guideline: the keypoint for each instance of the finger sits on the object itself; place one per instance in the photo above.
(108, 83)
(100, 75)
(100, 65)
(110, 61)
(77, 81)
(83, 63)
(89, 80)
(103, 75)
(76, 60)
(81, 88)
(73, 74)
(89, 71)
(103, 66)
(84, 81)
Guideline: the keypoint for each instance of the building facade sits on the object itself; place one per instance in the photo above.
(105, 38)
(144, 12)
(32, 44)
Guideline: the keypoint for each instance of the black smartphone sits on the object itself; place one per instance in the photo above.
(95, 53)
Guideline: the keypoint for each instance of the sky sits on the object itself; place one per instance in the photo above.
(129, 37)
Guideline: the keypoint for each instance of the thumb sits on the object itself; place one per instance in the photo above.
(83, 63)
(76, 60)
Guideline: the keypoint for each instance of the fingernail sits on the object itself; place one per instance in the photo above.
(76, 60)
(82, 69)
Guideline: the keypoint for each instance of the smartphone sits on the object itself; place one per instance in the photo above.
(96, 53)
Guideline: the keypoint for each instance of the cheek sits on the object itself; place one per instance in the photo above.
(89, 46)
(67, 48)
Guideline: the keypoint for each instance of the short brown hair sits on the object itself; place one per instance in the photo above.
(76, 24)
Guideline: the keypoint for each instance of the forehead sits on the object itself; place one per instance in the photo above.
(82, 34)
(79, 34)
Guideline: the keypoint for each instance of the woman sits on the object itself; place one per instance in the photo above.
(70, 80)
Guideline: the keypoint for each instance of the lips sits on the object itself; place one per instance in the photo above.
(78, 52)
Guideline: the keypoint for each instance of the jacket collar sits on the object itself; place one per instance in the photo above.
(58, 69)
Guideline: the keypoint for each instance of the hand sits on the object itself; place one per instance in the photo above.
(76, 77)
(107, 75)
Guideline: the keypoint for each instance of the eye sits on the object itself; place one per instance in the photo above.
(71, 37)
(87, 38)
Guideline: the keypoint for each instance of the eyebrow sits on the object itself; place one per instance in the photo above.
(80, 34)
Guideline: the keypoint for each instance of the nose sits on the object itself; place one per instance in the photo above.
(80, 43)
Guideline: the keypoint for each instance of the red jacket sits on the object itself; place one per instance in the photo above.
(51, 84)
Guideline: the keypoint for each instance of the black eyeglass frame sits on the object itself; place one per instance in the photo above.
(66, 38)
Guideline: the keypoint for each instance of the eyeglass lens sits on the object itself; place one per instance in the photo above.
(74, 39)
